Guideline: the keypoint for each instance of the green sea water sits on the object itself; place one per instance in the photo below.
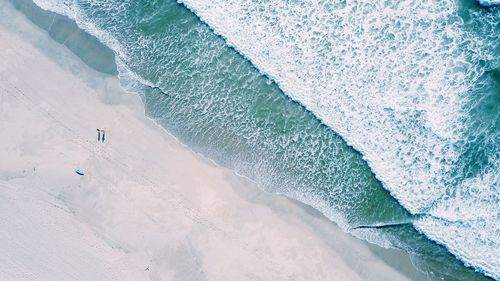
(215, 101)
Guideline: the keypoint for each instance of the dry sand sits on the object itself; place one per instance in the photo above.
(147, 207)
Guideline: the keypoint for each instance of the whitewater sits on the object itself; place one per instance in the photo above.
(392, 79)
(395, 80)
(404, 83)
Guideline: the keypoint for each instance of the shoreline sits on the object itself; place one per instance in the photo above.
(67, 193)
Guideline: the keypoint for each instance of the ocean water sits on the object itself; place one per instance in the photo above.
(382, 115)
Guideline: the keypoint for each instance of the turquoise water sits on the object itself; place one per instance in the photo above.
(219, 104)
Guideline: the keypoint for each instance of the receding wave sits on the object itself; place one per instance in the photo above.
(412, 85)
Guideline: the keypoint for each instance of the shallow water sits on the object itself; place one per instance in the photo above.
(218, 103)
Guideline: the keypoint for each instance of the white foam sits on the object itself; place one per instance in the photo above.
(391, 78)
(488, 3)
(63, 7)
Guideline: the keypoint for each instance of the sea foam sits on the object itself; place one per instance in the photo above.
(489, 3)
(395, 80)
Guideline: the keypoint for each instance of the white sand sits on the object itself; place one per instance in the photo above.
(146, 201)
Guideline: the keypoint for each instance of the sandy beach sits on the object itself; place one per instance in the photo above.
(147, 208)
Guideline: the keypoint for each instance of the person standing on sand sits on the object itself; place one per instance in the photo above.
(99, 135)
(103, 135)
